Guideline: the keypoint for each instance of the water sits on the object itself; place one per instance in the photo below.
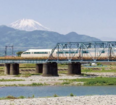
(44, 91)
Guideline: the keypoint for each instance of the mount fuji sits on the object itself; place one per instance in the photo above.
(28, 25)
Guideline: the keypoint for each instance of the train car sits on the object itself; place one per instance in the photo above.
(47, 52)
(66, 52)
(36, 53)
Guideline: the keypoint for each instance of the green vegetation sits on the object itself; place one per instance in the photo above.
(36, 84)
(33, 96)
(66, 83)
(19, 53)
(33, 84)
(27, 65)
(62, 66)
(2, 67)
(26, 74)
(6, 80)
(71, 94)
(62, 71)
(55, 95)
(13, 97)
(102, 69)
(98, 63)
(22, 97)
(97, 81)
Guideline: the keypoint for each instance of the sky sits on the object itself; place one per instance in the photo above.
(96, 18)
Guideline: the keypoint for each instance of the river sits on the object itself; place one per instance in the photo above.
(44, 91)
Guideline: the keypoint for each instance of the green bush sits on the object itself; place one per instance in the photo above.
(19, 53)
(11, 97)
(98, 63)
(22, 97)
(33, 96)
(71, 94)
(55, 95)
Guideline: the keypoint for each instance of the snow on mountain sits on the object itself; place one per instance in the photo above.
(28, 25)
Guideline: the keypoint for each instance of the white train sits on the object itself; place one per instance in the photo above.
(66, 52)
(36, 53)
(44, 53)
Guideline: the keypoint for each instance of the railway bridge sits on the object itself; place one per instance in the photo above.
(72, 53)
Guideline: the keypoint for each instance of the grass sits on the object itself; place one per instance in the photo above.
(27, 65)
(2, 67)
(6, 80)
(36, 84)
(26, 75)
(85, 70)
(62, 66)
(62, 71)
(97, 81)
(23, 97)
(66, 83)
(33, 84)
(13, 97)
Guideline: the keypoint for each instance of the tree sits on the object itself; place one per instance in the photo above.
(19, 53)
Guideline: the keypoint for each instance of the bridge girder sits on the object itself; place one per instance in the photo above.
(84, 50)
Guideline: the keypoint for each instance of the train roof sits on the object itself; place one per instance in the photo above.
(32, 50)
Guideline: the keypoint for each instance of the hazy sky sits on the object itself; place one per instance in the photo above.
(95, 18)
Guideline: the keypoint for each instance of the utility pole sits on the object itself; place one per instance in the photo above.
(6, 48)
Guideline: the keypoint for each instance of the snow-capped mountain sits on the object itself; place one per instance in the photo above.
(28, 25)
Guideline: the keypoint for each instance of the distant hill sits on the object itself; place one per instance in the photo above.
(37, 38)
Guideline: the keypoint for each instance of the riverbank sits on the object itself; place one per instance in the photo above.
(76, 100)
(63, 79)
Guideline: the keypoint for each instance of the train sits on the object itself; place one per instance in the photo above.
(36, 53)
(66, 52)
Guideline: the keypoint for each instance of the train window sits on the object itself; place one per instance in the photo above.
(67, 52)
(85, 52)
(60, 52)
(40, 52)
(26, 53)
(102, 51)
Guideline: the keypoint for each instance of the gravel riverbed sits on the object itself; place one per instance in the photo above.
(77, 100)
(50, 80)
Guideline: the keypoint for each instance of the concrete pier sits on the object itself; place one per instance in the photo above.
(7, 69)
(54, 68)
(12, 69)
(47, 69)
(50, 69)
(16, 69)
(39, 68)
(74, 68)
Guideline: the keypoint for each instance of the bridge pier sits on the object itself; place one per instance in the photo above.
(12, 69)
(39, 68)
(50, 69)
(74, 68)
(7, 69)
